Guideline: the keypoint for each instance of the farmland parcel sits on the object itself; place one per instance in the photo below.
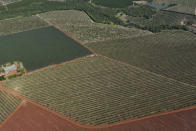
(97, 91)
(169, 53)
(39, 48)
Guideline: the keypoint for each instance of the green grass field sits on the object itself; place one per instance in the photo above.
(20, 24)
(8, 104)
(169, 53)
(98, 91)
(39, 48)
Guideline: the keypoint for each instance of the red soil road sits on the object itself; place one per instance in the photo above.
(31, 117)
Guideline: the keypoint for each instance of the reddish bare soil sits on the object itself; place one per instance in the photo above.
(177, 121)
(30, 117)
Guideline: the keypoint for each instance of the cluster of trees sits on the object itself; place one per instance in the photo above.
(2, 78)
(167, 27)
(140, 11)
(159, 28)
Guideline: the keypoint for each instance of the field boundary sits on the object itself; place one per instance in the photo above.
(65, 33)
(56, 65)
(27, 29)
(17, 108)
(12, 113)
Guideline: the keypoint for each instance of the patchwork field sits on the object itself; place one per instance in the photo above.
(8, 104)
(98, 91)
(169, 53)
(39, 48)
(20, 24)
(81, 27)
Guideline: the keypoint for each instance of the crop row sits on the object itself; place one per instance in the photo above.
(169, 53)
(8, 104)
(98, 91)
(20, 24)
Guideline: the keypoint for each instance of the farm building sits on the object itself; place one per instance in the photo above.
(10, 68)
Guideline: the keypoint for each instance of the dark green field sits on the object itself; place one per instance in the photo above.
(169, 53)
(39, 48)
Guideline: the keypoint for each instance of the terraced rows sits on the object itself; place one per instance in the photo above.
(170, 53)
(98, 91)
(8, 104)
